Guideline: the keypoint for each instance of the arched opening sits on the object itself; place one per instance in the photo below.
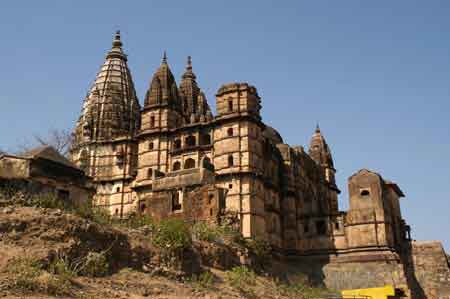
(230, 132)
(150, 145)
(152, 121)
(116, 212)
(142, 208)
(205, 139)
(230, 161)
(176, 202)
(177, 144)
(206, 162)
(189, 163)
(365, 192)
(149, 173)
(321, 227)
(176, 166)
(230, 105)
(190, 141)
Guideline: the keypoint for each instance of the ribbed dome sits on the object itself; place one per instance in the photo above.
(163, 88)
(273, 135)
(319, 150)
(111, 108)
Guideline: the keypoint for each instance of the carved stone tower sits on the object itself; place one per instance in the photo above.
(104, 137)
(320, 152)
(238, 153)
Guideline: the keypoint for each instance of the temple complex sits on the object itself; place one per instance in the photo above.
(174, 157)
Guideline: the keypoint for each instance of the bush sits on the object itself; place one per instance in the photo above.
(46, 200)
(203, 281)
(172, 235)
(95, 264)
(62, 266)
(135, 221)
(216, 233)
(24, 274)
(203, 232)
(239, 277)
(260, 248)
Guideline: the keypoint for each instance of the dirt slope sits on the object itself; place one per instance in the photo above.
(133, 268)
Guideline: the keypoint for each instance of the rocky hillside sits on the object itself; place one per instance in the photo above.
(48, 253)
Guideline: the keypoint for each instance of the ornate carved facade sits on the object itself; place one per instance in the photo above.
(173, 158)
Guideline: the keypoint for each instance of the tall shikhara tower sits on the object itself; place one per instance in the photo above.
(104, 139)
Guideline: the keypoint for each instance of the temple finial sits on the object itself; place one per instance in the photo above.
(189, 63)
(164, 60)
(116, 41)
(317, 128)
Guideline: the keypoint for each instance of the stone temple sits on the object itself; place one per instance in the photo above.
(174, 157)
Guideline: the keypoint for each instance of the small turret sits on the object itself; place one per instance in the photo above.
(320, 152)
(193, 100)
(240, 99)
(163, 88)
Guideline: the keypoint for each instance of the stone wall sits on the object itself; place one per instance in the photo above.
(431, 269)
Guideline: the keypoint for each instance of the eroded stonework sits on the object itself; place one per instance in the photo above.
(173, 158)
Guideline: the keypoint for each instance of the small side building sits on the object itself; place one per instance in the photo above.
(44, 170)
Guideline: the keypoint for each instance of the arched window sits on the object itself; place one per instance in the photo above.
(205, 139)
(116, 212)
(152, 121)
(142, 207)
(206, 162)
(230, 161)
(176, 202)
(149, 173)
(190, 140)
(230, 132)
(230, 105)
(365, 192)
(189, 163)
(177, 144)
(150, 145)
(176, 166)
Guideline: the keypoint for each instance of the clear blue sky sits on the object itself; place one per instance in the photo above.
(374, 74)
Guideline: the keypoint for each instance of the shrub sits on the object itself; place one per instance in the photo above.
(172, 235)
(203, 281)
(260, 248)
(24, 274)
(203, 232)
(87, 211)
(216, 233)
(62, 266)
(95, 264)
(239, 277)
(137, 221)
(46, 200)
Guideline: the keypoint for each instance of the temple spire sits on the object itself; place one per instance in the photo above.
(189, 63)
(116, 42)
(116, 50)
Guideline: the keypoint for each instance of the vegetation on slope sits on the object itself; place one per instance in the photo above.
(81, 252)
